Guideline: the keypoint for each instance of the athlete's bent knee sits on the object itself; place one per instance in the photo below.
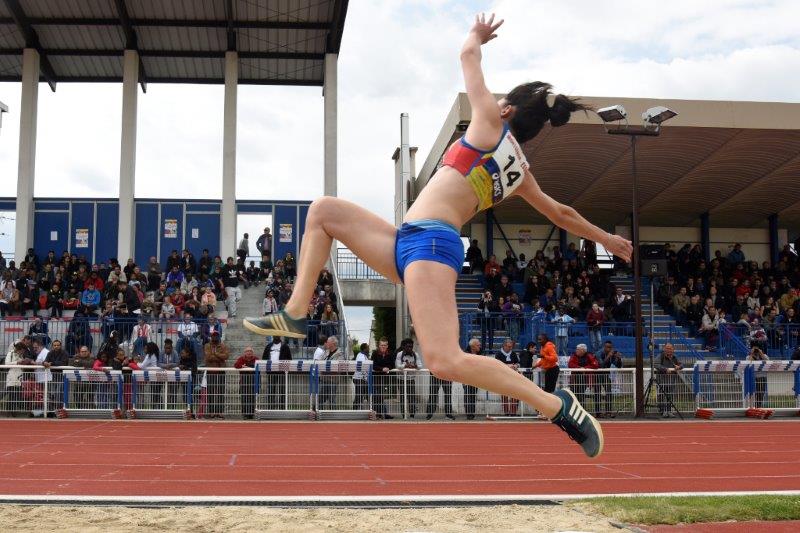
(443, 367)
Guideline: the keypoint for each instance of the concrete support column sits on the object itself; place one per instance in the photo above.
(127, 159)
(774, 245)
(705, 236)
(329, 92)
(227, 238)
(402, 166)
(26, 171)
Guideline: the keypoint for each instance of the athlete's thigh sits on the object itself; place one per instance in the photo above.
(430, 287)
(366, 234)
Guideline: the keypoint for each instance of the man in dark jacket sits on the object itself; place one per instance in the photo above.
(383, 360)
(275, 351)
(609, 359)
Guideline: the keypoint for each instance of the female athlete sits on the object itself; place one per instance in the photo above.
(483, 168)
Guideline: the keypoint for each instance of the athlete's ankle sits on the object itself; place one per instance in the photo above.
(292, 315)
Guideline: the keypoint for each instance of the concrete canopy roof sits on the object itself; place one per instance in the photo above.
(738, 161)
(280, 42)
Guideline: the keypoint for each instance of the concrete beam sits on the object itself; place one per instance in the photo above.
(368, 293)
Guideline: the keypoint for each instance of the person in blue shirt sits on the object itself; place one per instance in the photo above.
(736, 255)
(90, 300)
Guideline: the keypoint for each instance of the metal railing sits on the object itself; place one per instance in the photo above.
(351, 267)
(344, 337)
(345, 389)
(779, 341)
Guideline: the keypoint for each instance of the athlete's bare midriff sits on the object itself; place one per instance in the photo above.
(447, 197)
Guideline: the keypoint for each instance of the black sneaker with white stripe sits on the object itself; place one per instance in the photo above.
(578, 424)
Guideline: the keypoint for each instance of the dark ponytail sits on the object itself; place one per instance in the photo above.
(532, 111)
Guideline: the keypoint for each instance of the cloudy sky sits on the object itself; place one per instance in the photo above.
(402, 56)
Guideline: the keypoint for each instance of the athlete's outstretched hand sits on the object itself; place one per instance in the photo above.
(485, 29)
(619, 246)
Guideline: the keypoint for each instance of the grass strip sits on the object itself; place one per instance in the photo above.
(651, 510)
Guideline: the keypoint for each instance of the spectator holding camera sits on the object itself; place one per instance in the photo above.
(489, 310)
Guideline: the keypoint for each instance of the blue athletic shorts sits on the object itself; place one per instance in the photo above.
(428, 240)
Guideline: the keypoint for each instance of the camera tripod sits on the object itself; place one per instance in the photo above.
(654, 381)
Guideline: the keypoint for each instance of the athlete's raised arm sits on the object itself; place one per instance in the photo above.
(486, 124)
(566, 217)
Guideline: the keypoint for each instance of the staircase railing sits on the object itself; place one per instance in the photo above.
(680, 341)
(731, 343)
(344, 336)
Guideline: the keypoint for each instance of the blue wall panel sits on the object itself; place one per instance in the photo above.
(146, 235)
(253, 208)
(43, 225)
(207, 226)
(211, 208)
(107, 233)
(170, 212)
(83, 218)
(284, 215)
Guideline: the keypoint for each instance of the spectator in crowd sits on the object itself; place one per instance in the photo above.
(168, 310)
(215, 356)
(709, 328)
(142, 332)
(90, 300)
(474, 348)
(474, 257)
(360, 379)
(582, 380)
(736, 255)
(232, 275)
(38, 329)
(9, 299)
(264, 242)
(383, 361)
(434, 384)
(329, 321)
(489, 311)
(594, 321)
(510, 358)
(548, 362)
(761, 379)
(528, 357)
(610, 361)
(188, 333)
(562, 321)
(243, 250)
(408, 362)
(83, 391)
(169, 359)
(694, 315)
(270, 304)
(12, 393)
(246, 394)
(328, 384)
(668, 367)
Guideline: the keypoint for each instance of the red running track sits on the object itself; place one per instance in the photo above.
(107, 458)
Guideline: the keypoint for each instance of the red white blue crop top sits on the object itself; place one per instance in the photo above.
(494, 174)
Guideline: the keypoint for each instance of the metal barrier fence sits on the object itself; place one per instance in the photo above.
(283, 390)
(161, 394)
(303, 390)
(91, 393)
(343, 389)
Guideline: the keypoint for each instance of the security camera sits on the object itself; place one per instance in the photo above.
(612, 113)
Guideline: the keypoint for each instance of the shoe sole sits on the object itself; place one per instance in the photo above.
(596, 425)
(272, 332)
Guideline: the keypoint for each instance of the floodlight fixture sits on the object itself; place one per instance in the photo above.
(658, 114)
(612, 113)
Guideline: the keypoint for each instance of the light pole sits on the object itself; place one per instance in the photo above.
(652, 118)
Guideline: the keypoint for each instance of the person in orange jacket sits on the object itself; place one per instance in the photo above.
(548, 362)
